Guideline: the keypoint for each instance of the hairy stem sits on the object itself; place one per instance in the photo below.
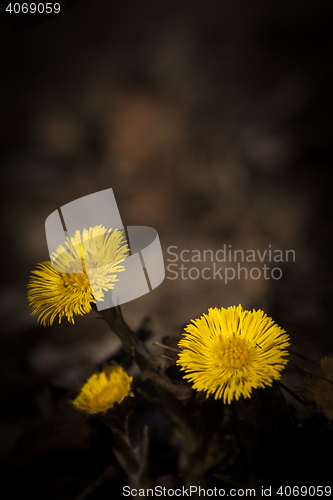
(190, 457)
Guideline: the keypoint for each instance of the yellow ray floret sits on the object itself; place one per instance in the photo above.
(229, 352)
(104, 389)
(79, 274)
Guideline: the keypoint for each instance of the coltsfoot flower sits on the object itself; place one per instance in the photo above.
(229, 352)
(80, 273)
(320, 391)
(102, 390)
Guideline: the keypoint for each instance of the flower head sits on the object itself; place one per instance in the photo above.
(102, 390)
(320, 391)
(229, 352)
(77, 275)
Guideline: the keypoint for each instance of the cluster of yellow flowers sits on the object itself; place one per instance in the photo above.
(227, 352)
(68, 285)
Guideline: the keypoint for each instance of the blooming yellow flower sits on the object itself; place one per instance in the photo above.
(80, 274)
(104, 389)
(320, 391)
(228, 352)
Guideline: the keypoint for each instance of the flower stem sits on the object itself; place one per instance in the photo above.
(190, 458)
(131, 344)
(132, 449)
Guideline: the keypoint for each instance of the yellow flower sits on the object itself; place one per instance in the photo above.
(229, 352)
(320, 391)
(104, 389)
(63, 289)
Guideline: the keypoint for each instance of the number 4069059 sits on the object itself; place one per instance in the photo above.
(309, 491)
(33, 8)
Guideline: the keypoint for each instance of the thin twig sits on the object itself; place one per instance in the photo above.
(167, 347)
(303, 357)
(161, 356)
(154, 401)
(300, 400)
(107, 474)
(284, 399)
(294, 395)
(312, 373)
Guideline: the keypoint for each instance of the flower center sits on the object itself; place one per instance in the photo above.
(232, 351)
(75, 279)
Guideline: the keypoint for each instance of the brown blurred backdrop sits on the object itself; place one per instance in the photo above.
(210, 121)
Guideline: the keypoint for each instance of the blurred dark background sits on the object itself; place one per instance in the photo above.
(212, 123)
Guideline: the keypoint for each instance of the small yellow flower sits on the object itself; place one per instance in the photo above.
(104, 389)
(63, 289)
(229, 352)
(320, 391)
